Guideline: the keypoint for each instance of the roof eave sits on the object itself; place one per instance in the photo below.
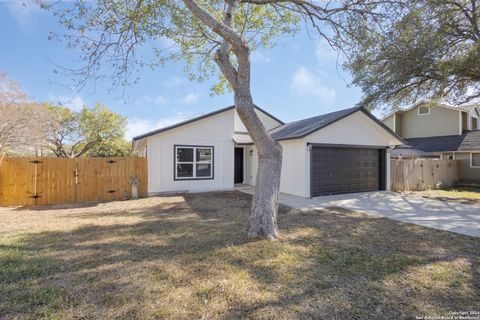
(157, 131)
(210, 114)
(303, 135)
(365, 111)
(269, 114)
(383, 125)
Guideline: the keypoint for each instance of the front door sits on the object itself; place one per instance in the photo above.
(238, 166)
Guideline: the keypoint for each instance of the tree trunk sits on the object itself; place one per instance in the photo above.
(262, 223)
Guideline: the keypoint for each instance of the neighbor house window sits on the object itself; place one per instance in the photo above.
(193, 162)
(423, 110)
(474, 123)
(475, 159)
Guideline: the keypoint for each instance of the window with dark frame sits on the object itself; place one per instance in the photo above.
(475, 159)
(423, 110)
(474, 123)
(193, 162)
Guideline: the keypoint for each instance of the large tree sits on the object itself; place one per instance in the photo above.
(22, 122)
(431, 50)
(117, 147)
(93, 132)
(204, 34)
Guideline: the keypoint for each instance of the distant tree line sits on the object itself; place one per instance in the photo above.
(32, 128)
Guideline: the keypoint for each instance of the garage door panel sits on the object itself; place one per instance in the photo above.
(343, 170)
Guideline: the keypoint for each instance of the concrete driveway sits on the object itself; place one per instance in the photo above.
(451, 216)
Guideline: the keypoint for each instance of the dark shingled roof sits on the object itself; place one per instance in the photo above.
(292, 130)
(408, 151)
(301, 128)
(469, 140)
(154, 132)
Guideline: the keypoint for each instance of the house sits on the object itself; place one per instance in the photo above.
(340, 152)
(439, 131)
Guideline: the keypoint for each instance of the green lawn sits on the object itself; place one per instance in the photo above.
(185, 256)
(455, 193)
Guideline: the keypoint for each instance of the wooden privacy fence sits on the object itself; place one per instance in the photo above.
(41, 181)
(422, 174)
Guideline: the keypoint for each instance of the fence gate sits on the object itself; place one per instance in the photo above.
(421, 174)
(41, 181)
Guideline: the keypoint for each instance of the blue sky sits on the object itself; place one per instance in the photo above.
(298, 78)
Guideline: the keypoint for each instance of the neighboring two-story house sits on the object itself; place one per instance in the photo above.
(434, 130)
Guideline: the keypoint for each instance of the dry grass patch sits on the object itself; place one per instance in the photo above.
(456, 194)
(186, 257)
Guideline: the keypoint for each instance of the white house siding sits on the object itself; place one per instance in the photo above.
(295, 168)
(356, 129)
(251, 158)
(390, 122)
(292, 179)
(218, 130)
(213, 131)
(267, 121)
(251, 162)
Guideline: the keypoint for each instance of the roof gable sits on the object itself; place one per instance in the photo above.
(473, 109)
(302, 128)
(293, 130)
(207, 115)
(469, 109)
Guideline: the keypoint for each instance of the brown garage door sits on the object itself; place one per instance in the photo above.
(344, 170)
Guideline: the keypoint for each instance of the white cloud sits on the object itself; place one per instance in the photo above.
(75, 103)
(159, 100)
(172, 82)
(137, 126)
(22, 12)
(305, 83)
(295, 46)
(258, 56)
(190, 98)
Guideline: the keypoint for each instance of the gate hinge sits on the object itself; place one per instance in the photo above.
(111, 191)
(35, 161)
(111, 161)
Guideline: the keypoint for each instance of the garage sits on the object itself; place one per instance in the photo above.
(346, 169)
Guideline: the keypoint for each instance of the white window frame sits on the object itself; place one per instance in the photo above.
(471, 121)
(193, 163)
(471, 159)
(423, 114)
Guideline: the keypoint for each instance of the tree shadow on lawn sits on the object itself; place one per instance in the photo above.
(66, 206)
(189, 259)
(364, 267)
